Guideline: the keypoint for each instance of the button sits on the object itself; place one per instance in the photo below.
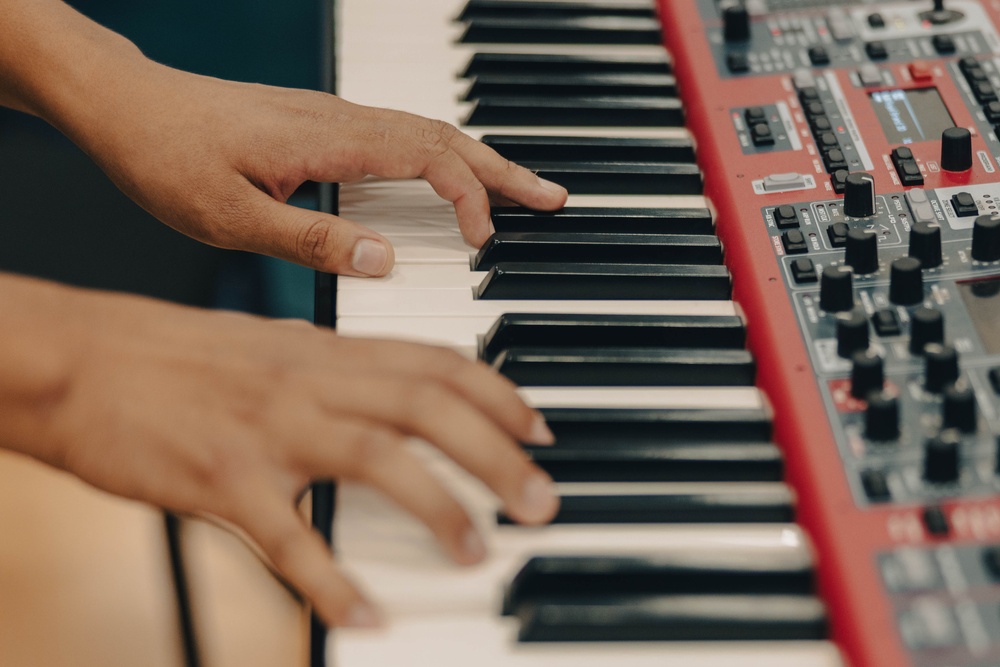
(984, 92)
(875, 486)
(785, 217)
(964, 205)
(967, 63)
(991, 561)
(737, 62)
(870, 75)
(943, 44)
(838, 180)
(936, 521)
(876, 50)
(794, 242)
(803, 79)
(818, 55)
(787, 181)
(841, 28)
(901, 153)
(809, 95)
(976, 75)
(919, 71)
(761, 134)
(920, 206)
(992, 111)
(876, 20)
(886, 322)
(820, 124)
(755, 115)
(813, 109)
(834, 159)
(803, 271)
(837, 233)
(909, 173)
(827, 140)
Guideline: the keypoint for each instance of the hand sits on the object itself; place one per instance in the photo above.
(217, 160)
(233, 416)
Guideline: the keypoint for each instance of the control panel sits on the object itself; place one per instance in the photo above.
(852, 151)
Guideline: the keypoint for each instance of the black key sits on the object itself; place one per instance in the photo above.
(573, 30)
(661, 462)
(601, 428)
(771, 503)
(621, 178)
(626, 367)
(516, 63)
(538, 280)
(521, 329)
(577, 112)
(571, 85)
(551, 578)
(597, 149)
(602, 248)
(477, 9)
(604, 220)
(675, 618)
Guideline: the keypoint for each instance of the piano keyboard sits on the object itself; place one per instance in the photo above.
(675, 544)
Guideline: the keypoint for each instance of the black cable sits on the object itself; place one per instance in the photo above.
(182, 593)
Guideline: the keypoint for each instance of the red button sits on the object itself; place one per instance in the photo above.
(920, 71)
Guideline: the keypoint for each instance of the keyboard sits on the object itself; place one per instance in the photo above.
(676, 542)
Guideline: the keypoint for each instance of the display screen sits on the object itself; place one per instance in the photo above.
(911, 115)
(982, 299)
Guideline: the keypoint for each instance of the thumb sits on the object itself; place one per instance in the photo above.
(320, 241)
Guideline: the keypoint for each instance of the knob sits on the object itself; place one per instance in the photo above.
(861, 252)
(956, 149)
(836, 289)
(986, 238)
(940, 367)
(852, 333)
(926, 326)
(941, 457)
(735, 22)
(906, 281)
(959, 407)
(925, 244)
(859, 195)
(939, 15)
(882, 416)
(867, 374)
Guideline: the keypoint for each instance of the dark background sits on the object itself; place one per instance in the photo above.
(62, 219)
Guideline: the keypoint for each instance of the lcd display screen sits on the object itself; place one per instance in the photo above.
(982, 300)
(911, 115)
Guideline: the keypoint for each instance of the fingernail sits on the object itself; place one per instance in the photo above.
(363, 615)
(540, 499)
(540, 432)
(473, 546)
(551, 187)
(369, 257)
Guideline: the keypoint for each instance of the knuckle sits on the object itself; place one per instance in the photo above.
(370, 450)
(433, 138)
(316, 243)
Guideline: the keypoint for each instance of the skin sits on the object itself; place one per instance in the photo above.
(230, 416)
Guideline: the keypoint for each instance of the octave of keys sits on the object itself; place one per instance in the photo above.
(675, 543)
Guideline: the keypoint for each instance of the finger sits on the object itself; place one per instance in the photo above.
(300, 556)
(317, 240)
(490, 392)
(505, 180)
(379, 456)
(437, 414)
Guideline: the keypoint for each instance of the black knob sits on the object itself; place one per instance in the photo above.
(867, 374)
(925, 244)
(959, 407)
(882, 416)
(986, 238)
(735, 22)
(906, 281)
(861, 251)
(926, 326)
(836, 289)
(940, 367)
(852, 333)
(941, 457)
(956, 149)
(859, 195)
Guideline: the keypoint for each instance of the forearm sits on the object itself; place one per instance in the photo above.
(56, 63)
(37, 349)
